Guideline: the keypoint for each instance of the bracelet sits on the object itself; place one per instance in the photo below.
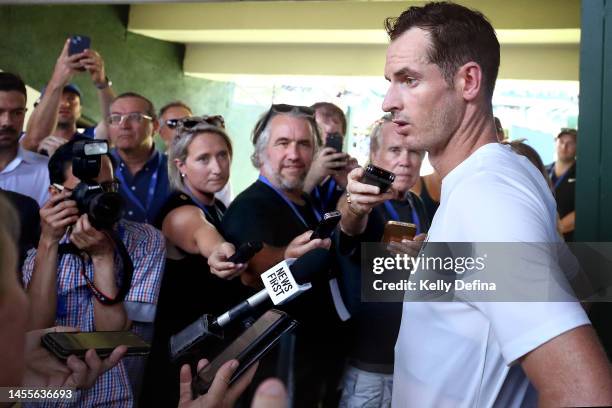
(107, 83)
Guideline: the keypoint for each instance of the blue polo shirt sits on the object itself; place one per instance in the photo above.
(145, 192)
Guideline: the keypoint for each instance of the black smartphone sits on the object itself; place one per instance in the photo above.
(327, 225)
(63, 344)
(249, 347)
(376, 176)
(245, 252)
(78, 44)
(334, 140)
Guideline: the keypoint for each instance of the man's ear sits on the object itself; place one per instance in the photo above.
(469, 77)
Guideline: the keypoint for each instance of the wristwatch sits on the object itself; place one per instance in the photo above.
(106, 84)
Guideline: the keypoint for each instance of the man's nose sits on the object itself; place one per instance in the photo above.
(392, 102)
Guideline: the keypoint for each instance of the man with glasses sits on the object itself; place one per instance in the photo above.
(21, 171)
(276, 211)
(168, 115)
(54, 277)
(141, 169)
(562, 174)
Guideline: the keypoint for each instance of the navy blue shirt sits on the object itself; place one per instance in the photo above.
(145, 192)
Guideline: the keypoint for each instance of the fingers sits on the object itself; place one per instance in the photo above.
(270, 394)
(202, 363)
(78, 378)
(421, 237)
(221, 381)
(240, 385)
(303, 238)
(112, 360)
(185, 395)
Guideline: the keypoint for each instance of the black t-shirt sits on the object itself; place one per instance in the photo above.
(565, 193)
(325, 196)
(260, 214)
(374, 326)
(29, 218)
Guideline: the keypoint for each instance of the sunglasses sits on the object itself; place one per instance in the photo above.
(275, 109)
(191, 122)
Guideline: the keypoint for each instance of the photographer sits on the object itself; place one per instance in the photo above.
(68, 289)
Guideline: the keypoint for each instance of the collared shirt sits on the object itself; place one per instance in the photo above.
(75, 306)
(27, 174)
(135, 189)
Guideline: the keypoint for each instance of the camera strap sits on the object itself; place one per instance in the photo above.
(128, 269)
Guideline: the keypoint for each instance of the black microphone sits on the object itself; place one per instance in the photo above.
(280, 288)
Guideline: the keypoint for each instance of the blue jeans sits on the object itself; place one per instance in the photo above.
(363, 389)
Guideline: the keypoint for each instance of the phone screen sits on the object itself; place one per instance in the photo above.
(241, 345)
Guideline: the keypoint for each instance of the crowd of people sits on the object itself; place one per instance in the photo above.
(60, 271)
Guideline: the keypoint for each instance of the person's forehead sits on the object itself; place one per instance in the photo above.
(327, 114)
(411, 47)
(290, 126)
(129, 104)
(70, 95)
(12, 100)
(567, 137)
(176, 112)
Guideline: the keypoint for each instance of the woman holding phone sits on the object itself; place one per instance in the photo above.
(197, 278)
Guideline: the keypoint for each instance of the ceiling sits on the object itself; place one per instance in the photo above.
(540, 39)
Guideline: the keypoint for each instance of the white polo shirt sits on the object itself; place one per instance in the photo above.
(27, 174)
(463, 354)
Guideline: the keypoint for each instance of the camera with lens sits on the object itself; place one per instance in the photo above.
(104, 208)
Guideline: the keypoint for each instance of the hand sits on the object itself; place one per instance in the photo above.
(220, 266)
(66, 66)
(56, 215)
(302, 244)
(220, 395)
(327, 162)
(94, 64)
(406, 246)
(50, 144)
(42, 369)
(88, 239)
(361, 197)
(270, 394)
(341, 176)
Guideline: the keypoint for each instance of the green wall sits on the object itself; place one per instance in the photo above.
(33, 36)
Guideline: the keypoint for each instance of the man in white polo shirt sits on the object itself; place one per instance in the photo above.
(20, 170)
(442, 64)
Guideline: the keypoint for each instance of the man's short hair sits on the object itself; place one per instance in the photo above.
(11, 82)
(458, 35)
(568, 131)
(330, 109)
(376, 133)
(174, 104)
(62, 159)
(150, 110)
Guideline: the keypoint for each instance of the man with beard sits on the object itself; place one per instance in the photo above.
(276, 211)
(21, 171)
(54, 121)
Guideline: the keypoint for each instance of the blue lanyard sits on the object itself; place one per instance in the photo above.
(201, 205)
(553, 176)
(395, 216)
(328, 196)
(150, 192)
(290, 203)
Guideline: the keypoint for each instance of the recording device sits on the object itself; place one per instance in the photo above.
(245, 252)
(396, 231)
(64, 344)
(78, 44)
(334, 140)
(376, 176)
(103, 208)
(327, 225)
(249, 347)
(207, 331)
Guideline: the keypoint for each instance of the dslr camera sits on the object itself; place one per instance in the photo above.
(104, 208)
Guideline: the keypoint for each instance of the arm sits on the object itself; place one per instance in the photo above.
(55, 217)
(43, 120)
(568, 223)
(94, 64)
(326, 163)
(570, 370)
(186, 227)
(102, 253)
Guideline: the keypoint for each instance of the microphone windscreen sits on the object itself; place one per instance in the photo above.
(308, 265)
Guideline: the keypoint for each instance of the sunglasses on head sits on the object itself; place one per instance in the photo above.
(192, 121)
(305, 111)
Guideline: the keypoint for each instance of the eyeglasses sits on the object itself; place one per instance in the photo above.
(191, 122)
(116, 119)
(305, 111)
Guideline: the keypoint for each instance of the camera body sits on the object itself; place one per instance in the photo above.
(103, 208)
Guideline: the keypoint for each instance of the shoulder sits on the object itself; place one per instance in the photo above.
(22, 202)
(256, 197)
(138, 232)
(33, 158)
(175, 200)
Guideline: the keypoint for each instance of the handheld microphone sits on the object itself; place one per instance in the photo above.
(282, 282)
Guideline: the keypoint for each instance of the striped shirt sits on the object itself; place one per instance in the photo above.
(75, 306)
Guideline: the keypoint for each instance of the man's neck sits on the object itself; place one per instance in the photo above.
(135, 159)
(7, 155)
(476, 130)
(561, 166)
(65, 130)
(295, 195)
